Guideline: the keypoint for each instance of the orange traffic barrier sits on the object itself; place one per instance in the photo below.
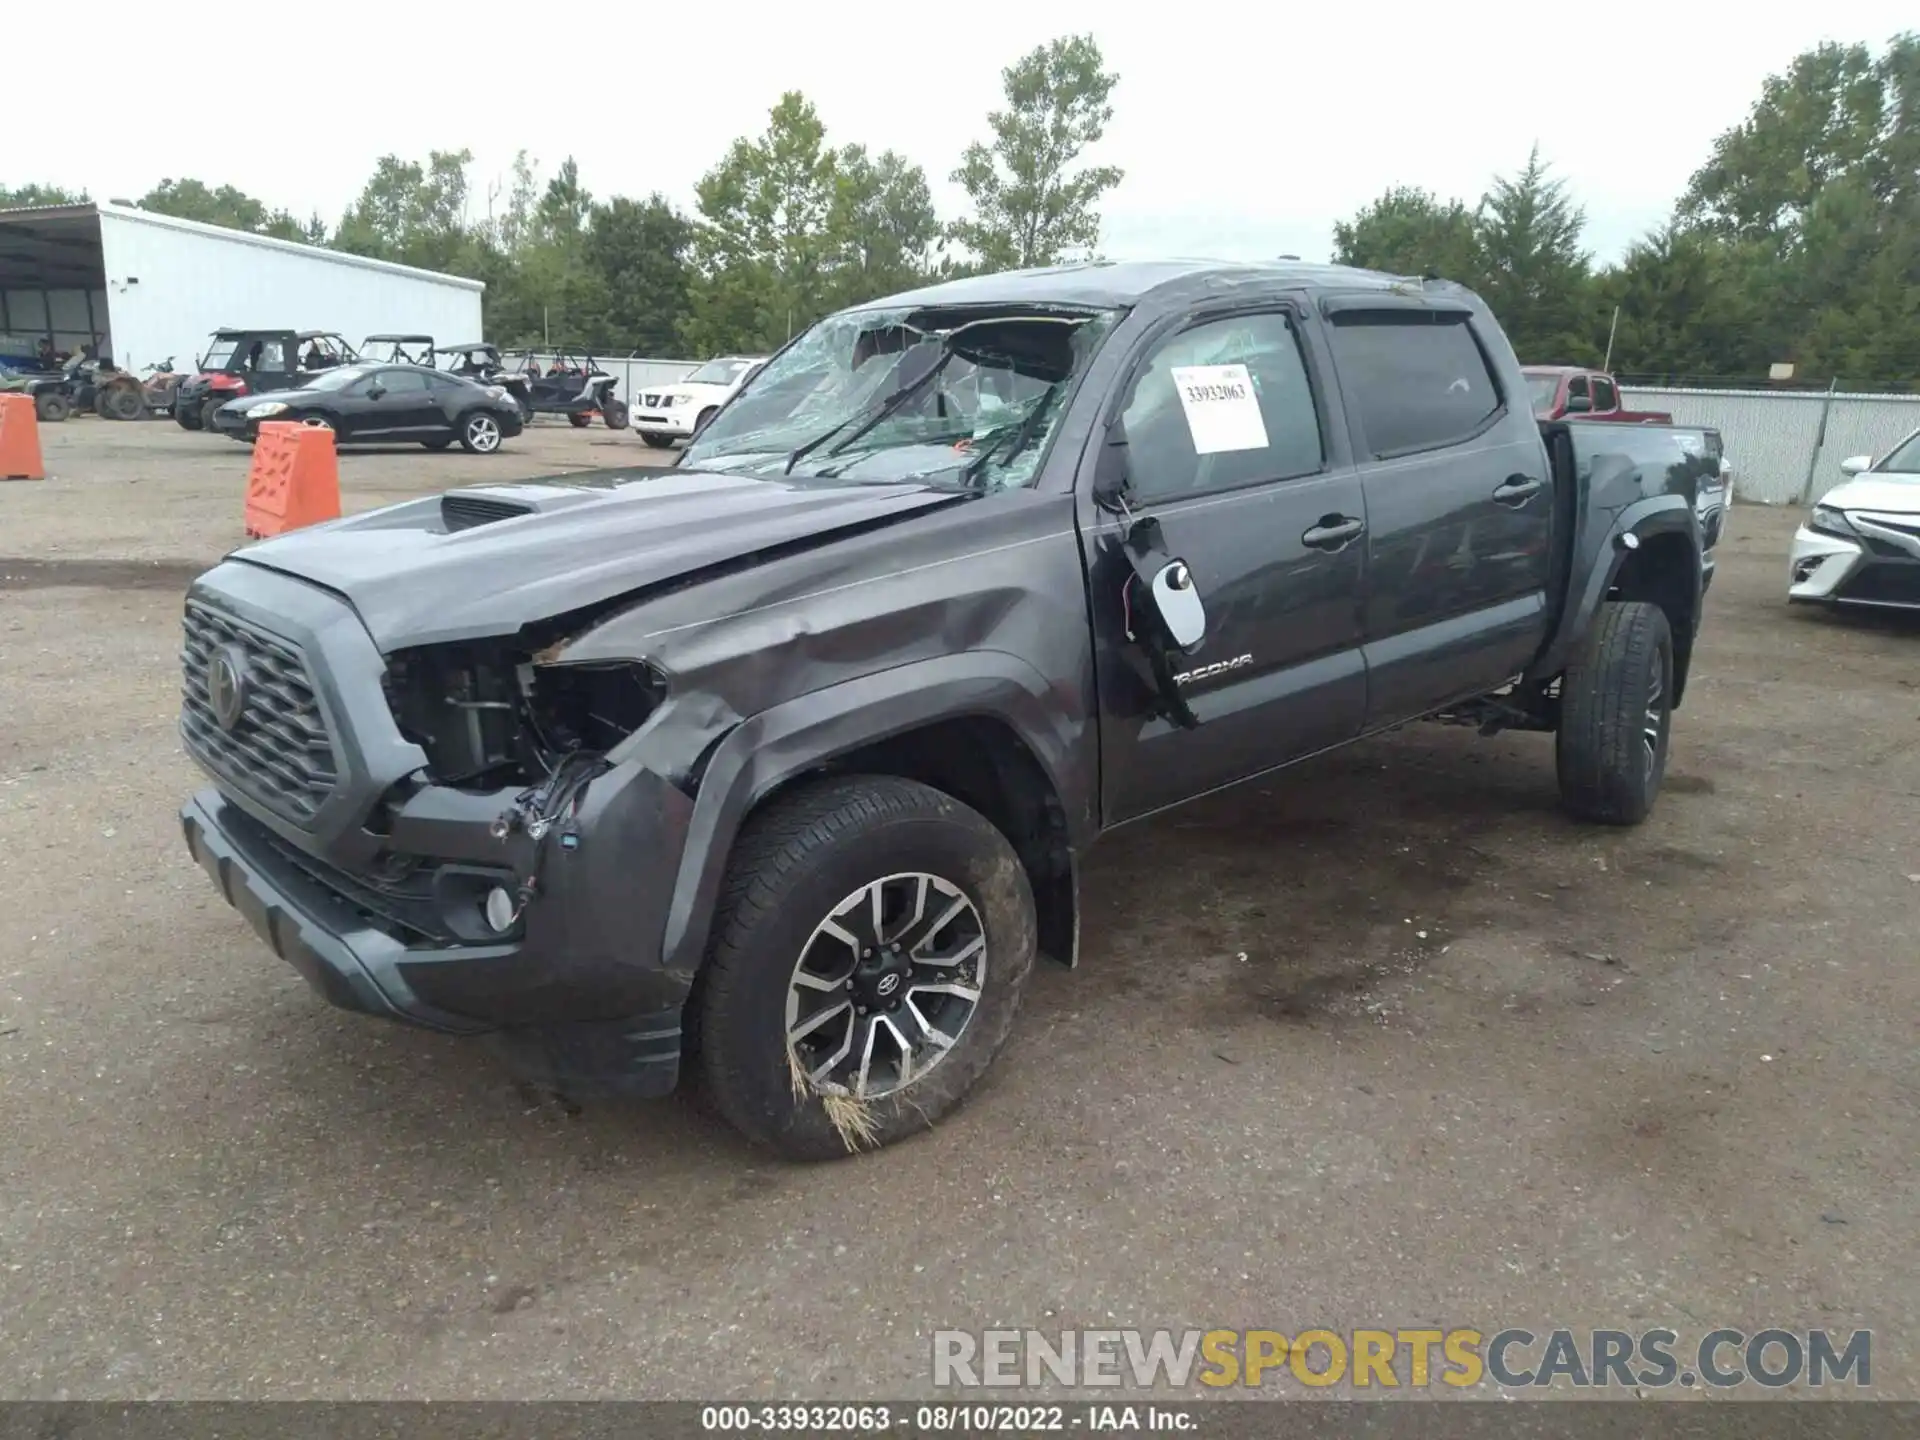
(20, 440)
(295, 479)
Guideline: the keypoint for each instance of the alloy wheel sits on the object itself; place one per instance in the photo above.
(483, 434)
(885, 986)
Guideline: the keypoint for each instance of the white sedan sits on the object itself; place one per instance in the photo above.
(1861, 544)
(666, 413)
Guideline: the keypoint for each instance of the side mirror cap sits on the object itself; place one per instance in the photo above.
(1179, 605)
(1856, 464)
(374, 392)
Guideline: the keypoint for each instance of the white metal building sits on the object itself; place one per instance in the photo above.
(147, 287)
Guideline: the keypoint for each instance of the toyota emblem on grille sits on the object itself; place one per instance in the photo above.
(227, 685)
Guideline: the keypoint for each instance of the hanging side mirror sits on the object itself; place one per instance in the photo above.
(1178, 602)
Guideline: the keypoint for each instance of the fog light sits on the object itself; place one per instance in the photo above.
(499, 909)
(1803, 571)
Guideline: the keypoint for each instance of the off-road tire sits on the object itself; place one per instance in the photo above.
(122, 402)
(614, 413)
(207, 411)
(51, 407)
(794, 862)
(578, 420)
(186, 417)
(1608, 697)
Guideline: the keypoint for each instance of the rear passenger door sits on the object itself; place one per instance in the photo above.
(1267, 515)
(1458, 500)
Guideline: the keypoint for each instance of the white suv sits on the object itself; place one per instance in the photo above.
(666, 413)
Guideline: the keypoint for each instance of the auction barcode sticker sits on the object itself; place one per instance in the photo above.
(1223, 413)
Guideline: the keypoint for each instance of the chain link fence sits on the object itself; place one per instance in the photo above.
(1786, 445)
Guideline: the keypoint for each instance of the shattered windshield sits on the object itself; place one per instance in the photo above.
(971, 393)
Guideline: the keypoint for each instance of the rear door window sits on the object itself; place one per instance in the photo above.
(1417, 380)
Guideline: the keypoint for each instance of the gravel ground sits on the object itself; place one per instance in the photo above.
(1384, 1042)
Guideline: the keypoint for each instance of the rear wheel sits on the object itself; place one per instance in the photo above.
(579, 421)
(51, 406)
(614, 412)
(123, 402)
(480, 433)
(1616, 715)
(871, 945)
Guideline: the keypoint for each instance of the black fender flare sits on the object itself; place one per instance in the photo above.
(1597, 565)
(767, 750)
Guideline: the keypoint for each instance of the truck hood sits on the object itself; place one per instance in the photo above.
(1873, 492)
(488, 559)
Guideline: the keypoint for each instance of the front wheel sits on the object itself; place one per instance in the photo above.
(1616, 714)
(871, 945)
(442, 443)
(614, 412)
(122, 402)
(187, 417)
(207, 412)
(480, 434)
(51, 406)
(656, 440)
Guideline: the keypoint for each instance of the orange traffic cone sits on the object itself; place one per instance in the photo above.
(20, 440)
(295, 479)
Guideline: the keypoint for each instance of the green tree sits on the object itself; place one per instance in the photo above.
(412, 213)
(1687, 305)
(1031, 205)
(22, 196)
(1534, 274)
(761, 247)
(881, 223)
(1409, 231)
(189, 199)
(637, 249)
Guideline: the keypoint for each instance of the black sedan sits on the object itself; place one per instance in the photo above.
(374, 404)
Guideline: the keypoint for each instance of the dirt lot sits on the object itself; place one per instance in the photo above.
(1386, 1042)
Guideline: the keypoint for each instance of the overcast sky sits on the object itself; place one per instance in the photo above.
(1245, 130)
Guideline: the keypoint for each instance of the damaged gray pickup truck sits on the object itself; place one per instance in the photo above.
(782, 762)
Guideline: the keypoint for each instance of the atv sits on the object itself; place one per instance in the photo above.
(483, 362)
(400, 349)
(576, 387)
(160, 385)
(239, 362)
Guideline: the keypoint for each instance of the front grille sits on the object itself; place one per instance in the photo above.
(463, 512)
(278, 751)
(1885, 584)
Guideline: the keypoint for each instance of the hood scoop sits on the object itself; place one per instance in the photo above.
(463, 512)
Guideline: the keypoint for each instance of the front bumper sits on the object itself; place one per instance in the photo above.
(1825, 569)
(677, 422)
(372, 885)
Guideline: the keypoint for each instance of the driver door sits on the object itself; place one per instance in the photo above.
(1266, 512)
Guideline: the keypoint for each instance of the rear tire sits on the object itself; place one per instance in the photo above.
(1616, 715)
(579, 421)
(123, 402)
(812, 857)
(51, 407)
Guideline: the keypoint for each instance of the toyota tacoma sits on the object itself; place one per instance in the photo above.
(782, 763)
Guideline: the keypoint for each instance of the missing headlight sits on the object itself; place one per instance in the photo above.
(488, 717)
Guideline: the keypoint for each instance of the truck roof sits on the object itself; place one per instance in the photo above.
(1109, 283)
(1559, 370)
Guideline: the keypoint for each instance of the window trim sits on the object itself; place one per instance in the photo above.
(1289, 309)
(1467, 320)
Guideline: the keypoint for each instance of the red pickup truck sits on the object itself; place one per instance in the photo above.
(1563, 390)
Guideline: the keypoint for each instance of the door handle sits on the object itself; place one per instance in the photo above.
(1517, 490)
(1333, 532)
